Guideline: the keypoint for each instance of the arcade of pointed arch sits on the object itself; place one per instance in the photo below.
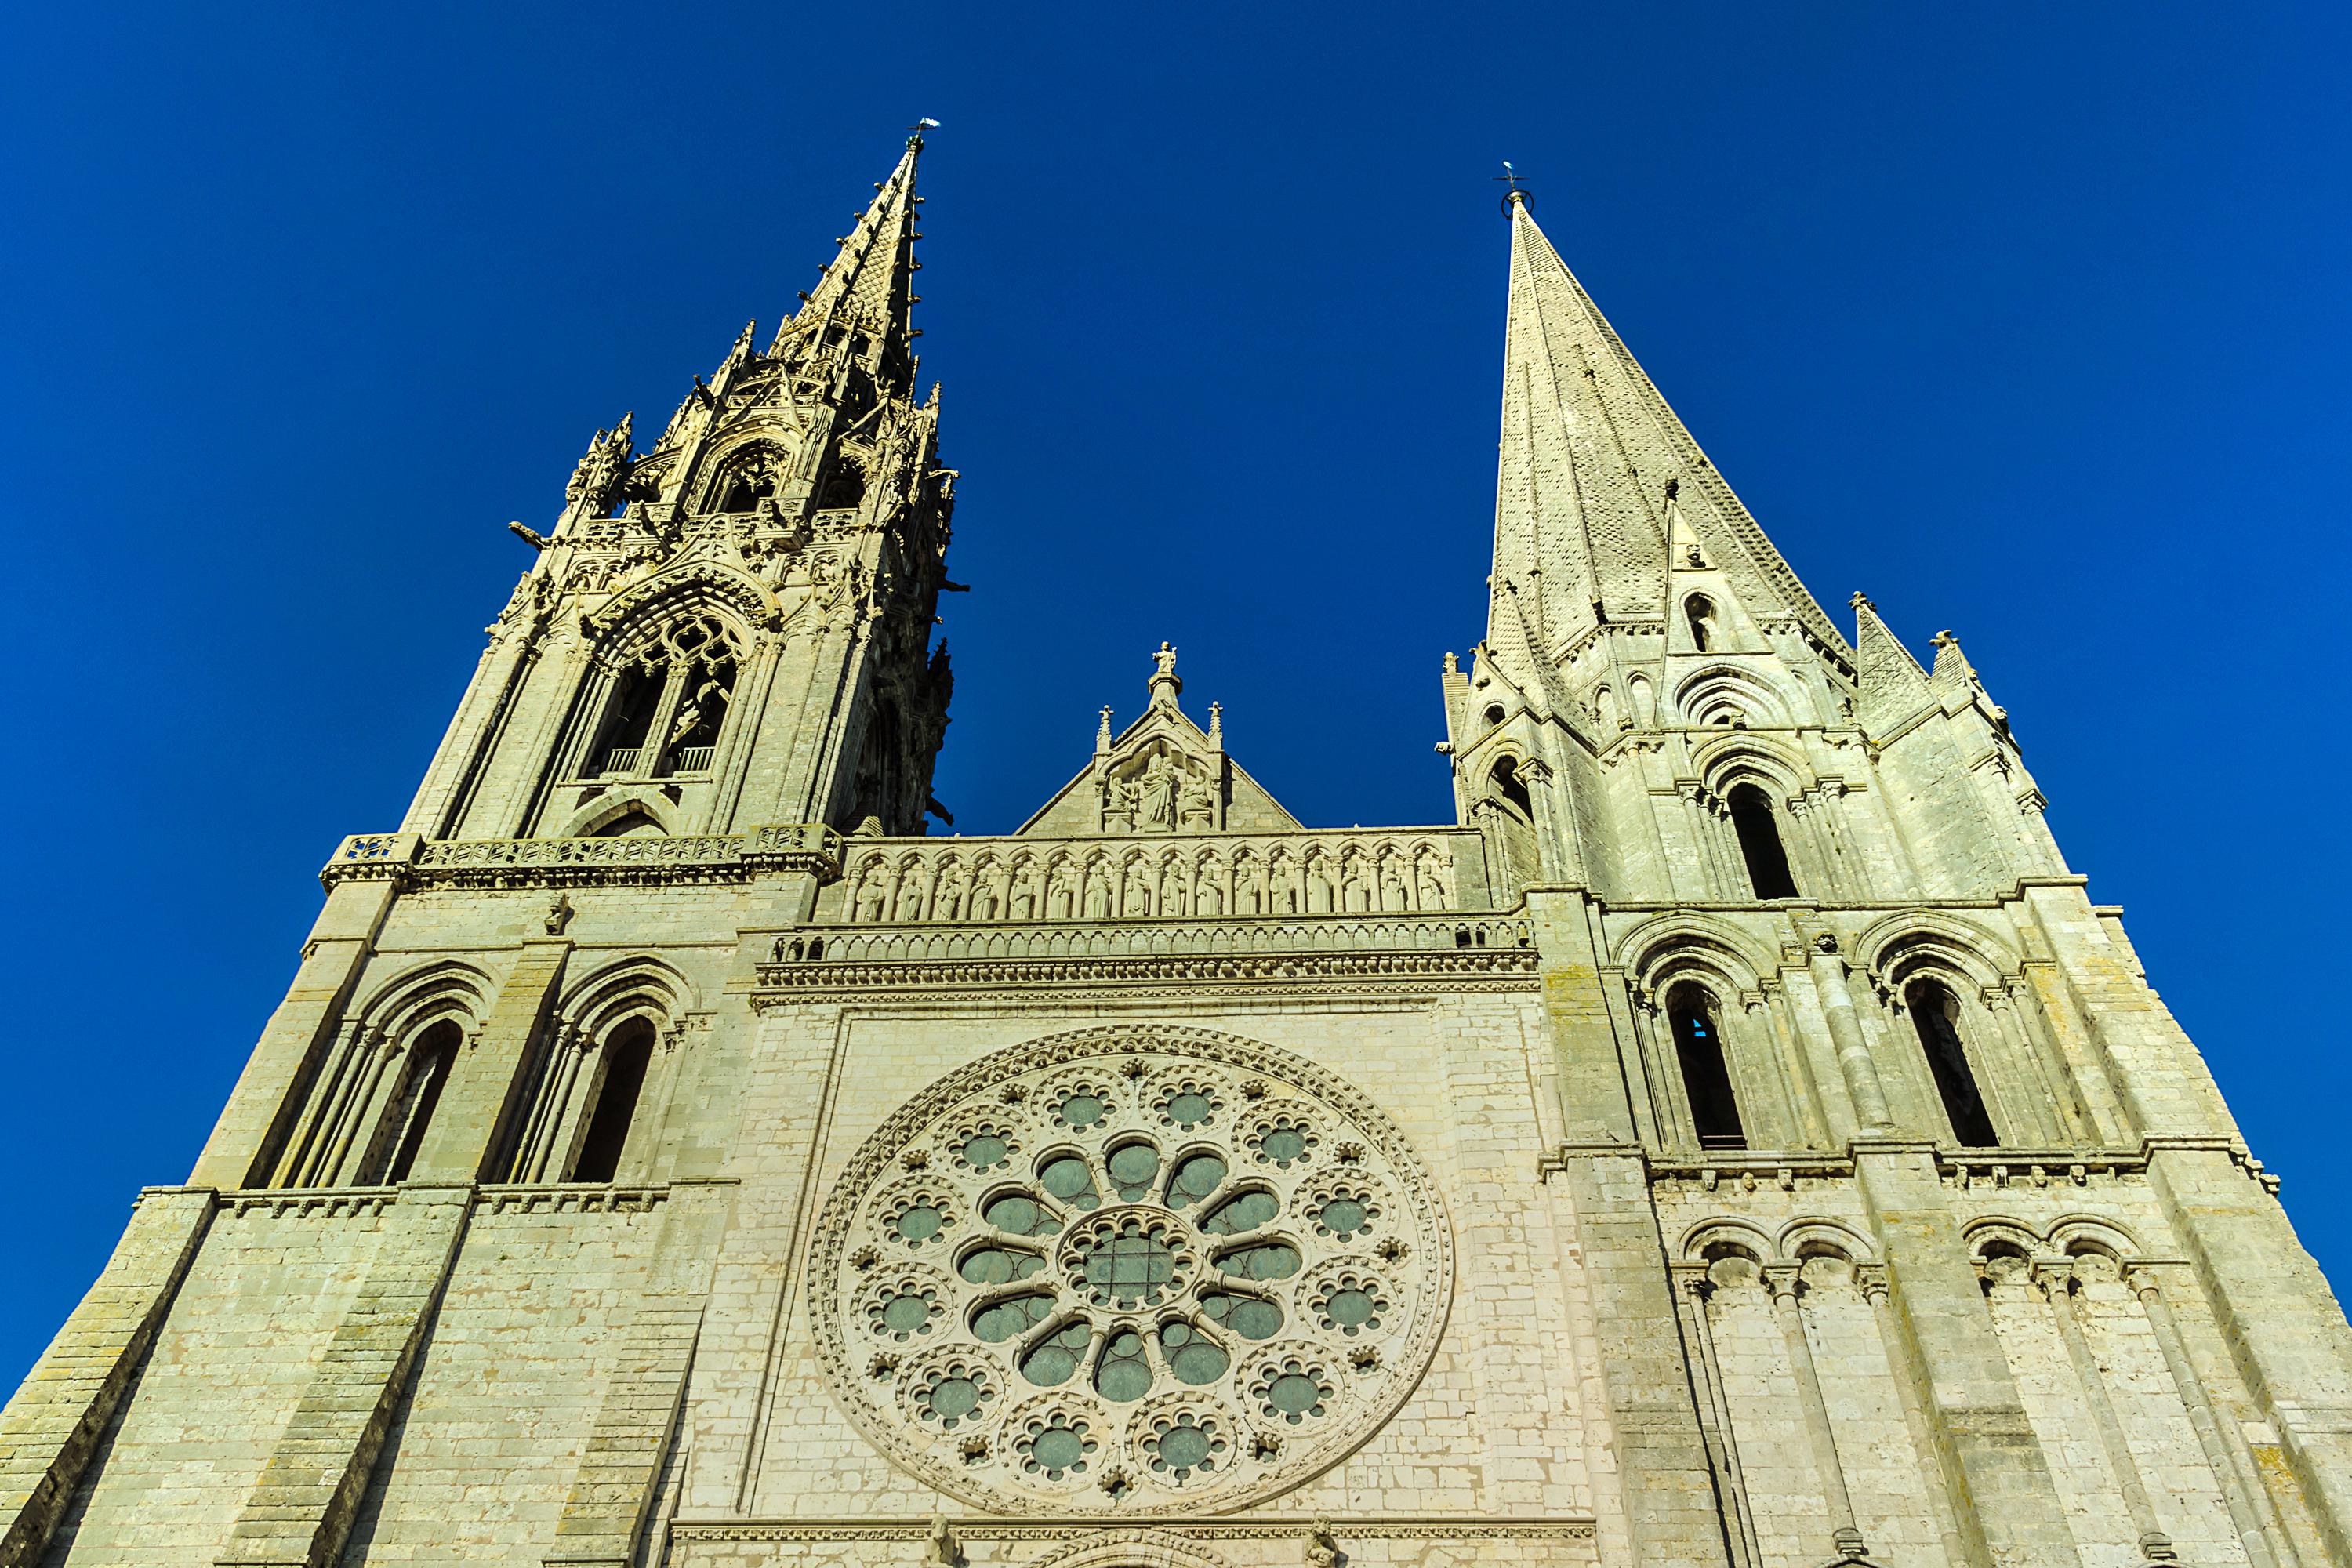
(1129, 1271)
(1302, 875)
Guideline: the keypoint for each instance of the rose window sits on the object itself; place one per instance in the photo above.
(1128, 1270)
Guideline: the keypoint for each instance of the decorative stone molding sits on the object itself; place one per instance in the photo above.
(1385, 1527)
(1132, 1281)
(1478, 953)
(418, 865)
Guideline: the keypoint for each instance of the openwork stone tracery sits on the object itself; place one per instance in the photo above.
(1129, 1270)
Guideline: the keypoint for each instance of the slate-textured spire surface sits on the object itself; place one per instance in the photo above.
(1589, 450)
(868, 286)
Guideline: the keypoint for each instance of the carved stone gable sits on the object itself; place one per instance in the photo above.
(1162, 775)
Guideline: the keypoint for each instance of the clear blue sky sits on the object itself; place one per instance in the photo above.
(2031, 322)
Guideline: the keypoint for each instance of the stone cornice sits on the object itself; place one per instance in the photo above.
(418, 865)
(1057, 1527)
(1157, 975)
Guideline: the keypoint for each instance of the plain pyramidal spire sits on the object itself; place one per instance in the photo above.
(1598, 480)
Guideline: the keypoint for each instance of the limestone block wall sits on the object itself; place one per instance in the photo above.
(502, 1406)
(248, 1330)
(1496, 1431)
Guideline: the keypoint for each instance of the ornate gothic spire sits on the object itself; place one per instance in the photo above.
(1597, 475)
(869, 287)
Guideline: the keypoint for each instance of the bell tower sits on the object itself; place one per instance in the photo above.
(733, 627)
(1660, 710)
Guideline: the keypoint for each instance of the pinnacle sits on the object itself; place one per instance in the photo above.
(868, 285)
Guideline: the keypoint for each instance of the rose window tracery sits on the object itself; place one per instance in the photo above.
(1127, 1270)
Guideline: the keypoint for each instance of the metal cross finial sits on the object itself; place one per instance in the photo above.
(1517, 194)
(914, 132)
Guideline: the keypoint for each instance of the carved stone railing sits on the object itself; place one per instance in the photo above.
(1347, 871)
(1456, 951)
(416, 864)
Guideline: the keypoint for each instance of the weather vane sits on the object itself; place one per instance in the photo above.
(1510, 177)
(915, 132)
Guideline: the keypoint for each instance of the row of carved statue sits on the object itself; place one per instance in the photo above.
(1394, 874)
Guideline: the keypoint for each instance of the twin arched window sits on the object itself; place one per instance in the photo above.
(757, 478)
(1715, 1106)
(668, 703)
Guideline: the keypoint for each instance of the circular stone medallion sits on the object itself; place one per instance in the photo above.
(1168, 1270)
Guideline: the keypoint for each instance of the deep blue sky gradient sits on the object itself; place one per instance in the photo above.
(2031, 322)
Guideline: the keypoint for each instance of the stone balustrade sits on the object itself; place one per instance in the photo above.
(913, 881)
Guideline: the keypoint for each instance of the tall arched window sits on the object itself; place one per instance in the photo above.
(409, 1114)
(1706, 1076)
(1937, 1016)
(1760, 844)
(668, 702)
(627, 1052)
(1700, 611)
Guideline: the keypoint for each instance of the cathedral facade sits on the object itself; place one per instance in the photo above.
(1734, 1140)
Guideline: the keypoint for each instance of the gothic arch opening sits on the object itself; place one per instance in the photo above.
(881, 769)
(1706, 1074)
(1760, 843)
(409, 1115)
(749, 481)
(627, 1053)
(631, 824)
(1510, 789)
(844, 488)
(668, 702)
(1936, 1014)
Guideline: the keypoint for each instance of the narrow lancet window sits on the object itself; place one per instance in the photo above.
(1700, 612)
(1706, 1076)
(627, 1053)
(1935, 1015)
(1760, 844)
(409, 1115)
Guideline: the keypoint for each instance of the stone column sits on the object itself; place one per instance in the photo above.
(2055, 1280)
(344, 1076)
(1860, 1073)
(1846, 1533)
(1698, 1287)
(2029, 1047)
(2251, 1511)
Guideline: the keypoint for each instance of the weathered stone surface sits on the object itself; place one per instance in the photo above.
(1734, 1141)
